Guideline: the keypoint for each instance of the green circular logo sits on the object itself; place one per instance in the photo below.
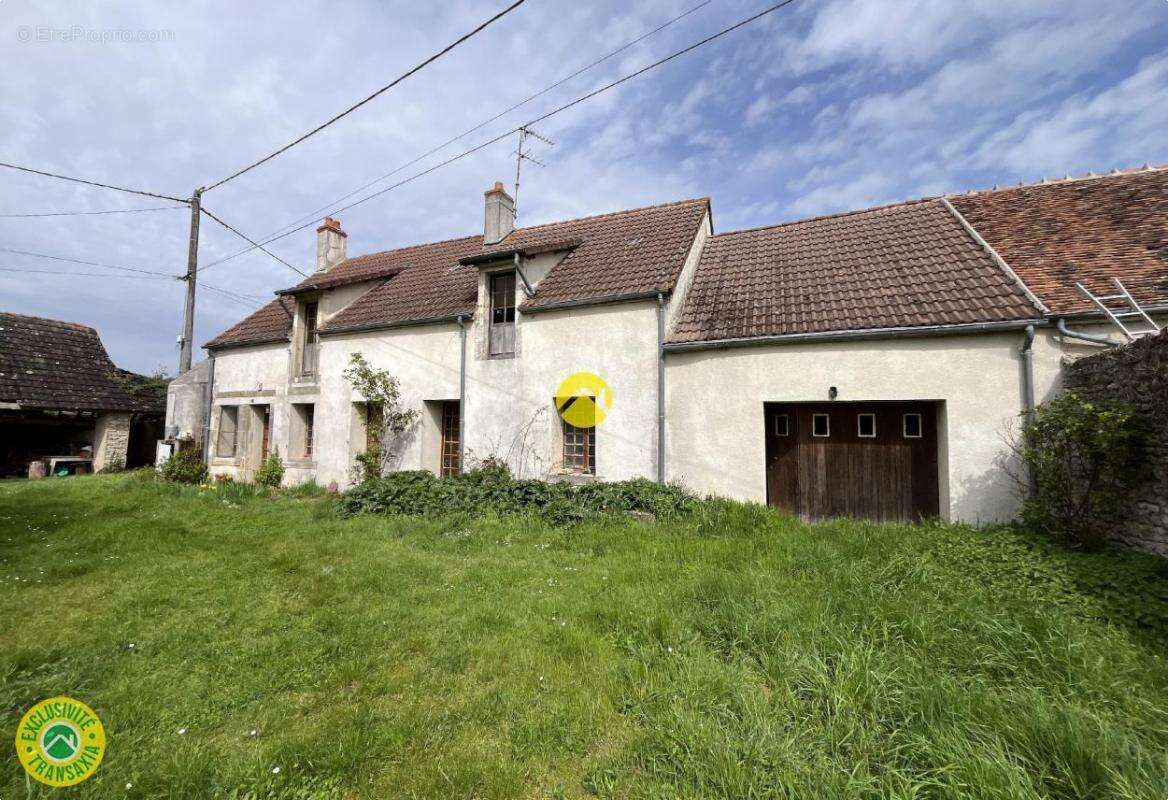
(60, 741)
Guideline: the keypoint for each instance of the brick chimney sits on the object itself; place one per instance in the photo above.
(499, 216)
(330, 244)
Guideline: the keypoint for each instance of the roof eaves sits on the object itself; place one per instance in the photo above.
(526, 251)
(402, 323)
(863, 333)
(213, 345)
(593, 301)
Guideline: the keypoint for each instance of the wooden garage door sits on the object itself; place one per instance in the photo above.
(866, 460)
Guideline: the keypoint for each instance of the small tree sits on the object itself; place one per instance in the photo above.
(384, 416)
(1085, 457)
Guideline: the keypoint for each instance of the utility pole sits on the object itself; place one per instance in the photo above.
(188, 334)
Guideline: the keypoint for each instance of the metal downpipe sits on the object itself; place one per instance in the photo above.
(462, 395)
(1061, 324)
(660, 388)
(1027, 354)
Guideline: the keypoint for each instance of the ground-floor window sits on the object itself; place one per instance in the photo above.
(227, 443)
(451, 463)
(579, 449)
(266, 432)
(304, 417)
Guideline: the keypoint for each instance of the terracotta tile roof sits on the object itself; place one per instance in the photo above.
(49, 364)
(434, 286)
(624, 254)
(1084, 230)
(905, 265)
(272, 323)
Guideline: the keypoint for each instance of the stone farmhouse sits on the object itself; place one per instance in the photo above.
(869, 363)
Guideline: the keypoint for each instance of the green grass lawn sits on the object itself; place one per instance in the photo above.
(740, 654)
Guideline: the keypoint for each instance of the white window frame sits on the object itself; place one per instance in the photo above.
(860, 425)
(920, 426)
(786, 429)
(827, 420)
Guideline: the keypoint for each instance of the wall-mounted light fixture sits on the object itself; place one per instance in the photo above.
(832, 393)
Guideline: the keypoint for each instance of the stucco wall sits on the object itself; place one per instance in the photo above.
(509, 411)
(251, 376)
(186, 402)
(425, 361)
(715, 399)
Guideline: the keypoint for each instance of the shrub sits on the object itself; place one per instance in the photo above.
(492, 490)
(114, 465)
(271, 472)
(1085, 457)
(186, 465)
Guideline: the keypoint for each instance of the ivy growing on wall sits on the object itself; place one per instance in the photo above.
(1085, 456)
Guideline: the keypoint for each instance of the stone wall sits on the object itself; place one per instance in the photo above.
(111, 440)
(1137, 374)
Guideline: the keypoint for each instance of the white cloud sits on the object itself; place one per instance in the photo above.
(816, 108)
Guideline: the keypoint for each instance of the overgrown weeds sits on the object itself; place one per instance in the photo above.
(492, 490)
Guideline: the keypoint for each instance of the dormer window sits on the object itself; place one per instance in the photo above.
(502, 316)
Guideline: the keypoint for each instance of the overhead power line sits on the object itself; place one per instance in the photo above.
(550, 87)
(239, 298)
(482, 145)
(252, 242)
(377, 93)
(86, 263)
(88, 213)
(92, 183)
(87, 274)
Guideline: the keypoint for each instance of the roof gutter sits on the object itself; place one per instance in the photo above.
(866, 333)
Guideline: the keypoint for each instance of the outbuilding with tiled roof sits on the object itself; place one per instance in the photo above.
(61, 393)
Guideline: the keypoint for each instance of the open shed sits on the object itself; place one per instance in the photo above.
(64, 403)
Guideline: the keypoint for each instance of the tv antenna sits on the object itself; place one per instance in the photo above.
(522, 155)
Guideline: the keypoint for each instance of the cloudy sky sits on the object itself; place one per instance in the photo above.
(823, 106)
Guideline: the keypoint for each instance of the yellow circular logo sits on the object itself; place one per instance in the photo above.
(584, 399)
(60, 741)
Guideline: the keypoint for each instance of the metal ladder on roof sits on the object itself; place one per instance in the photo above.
(1124, 306)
